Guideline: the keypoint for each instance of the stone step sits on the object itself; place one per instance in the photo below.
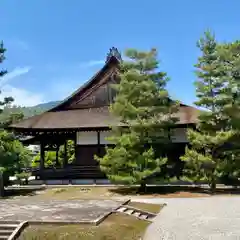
(4, 232)
(121, 209)
(9, 222)
(136, 214)
(129, 211)
(4, 237)
(143, 216)
(8, 226)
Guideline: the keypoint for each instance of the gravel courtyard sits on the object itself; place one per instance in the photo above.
(55, 210)
(210, 218)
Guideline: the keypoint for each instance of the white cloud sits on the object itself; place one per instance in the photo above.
(92, 63)
(21, 97)
(16, 72)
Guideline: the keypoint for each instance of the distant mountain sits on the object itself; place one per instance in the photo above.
(44, 106)
(37, 109)
(27, 111)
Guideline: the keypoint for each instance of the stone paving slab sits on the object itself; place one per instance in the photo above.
(55, 210)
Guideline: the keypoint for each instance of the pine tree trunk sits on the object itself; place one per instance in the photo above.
(1, 185)
(143, 187)
(213, 185)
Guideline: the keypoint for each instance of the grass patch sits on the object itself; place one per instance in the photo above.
(68, 193)
(115, 227)
(152, 208)
(97, 192)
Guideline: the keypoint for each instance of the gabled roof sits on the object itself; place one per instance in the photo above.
(112, 61)
(88, 118)
(63, 116)
(70, 119)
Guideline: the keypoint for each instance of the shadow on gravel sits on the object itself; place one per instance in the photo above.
(21, 191)
(166, 190)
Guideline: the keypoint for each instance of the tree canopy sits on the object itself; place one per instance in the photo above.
(13, 155)
(143, 104)
(216, 80)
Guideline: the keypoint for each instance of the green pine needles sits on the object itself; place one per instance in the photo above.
(146, 113)
(217, 88)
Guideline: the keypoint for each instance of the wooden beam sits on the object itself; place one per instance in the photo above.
(42, 156)
(65, 160)
(98, 142)
(57, 160)
(75, 147)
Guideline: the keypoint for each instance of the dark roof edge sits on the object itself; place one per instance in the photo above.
(76, 129)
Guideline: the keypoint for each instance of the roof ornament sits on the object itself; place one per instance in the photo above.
(113, 52)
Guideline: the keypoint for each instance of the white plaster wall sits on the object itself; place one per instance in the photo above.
(179, 135)
(90, 138)
(87, 138)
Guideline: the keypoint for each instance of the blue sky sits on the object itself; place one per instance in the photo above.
(55, 46)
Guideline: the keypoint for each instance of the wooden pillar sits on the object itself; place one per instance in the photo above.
(98, 143)
(65, 160)
(42, 156)
(1, 185)
(57, 160)
(75, 148)
(98, 146)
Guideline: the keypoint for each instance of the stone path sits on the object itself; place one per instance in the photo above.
(210, 218)
(69, 210)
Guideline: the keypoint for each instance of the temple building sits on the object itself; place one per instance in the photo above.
(85, 119)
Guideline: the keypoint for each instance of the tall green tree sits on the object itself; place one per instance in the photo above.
(204, 159)
(229, 57)
(6, 100)
(2, 58)
(146, 113)
(2, 73)
(13, 156)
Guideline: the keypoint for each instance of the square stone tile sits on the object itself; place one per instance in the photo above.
(55, 210)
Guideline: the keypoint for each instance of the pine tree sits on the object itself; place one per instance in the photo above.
(204, 160)
(2, 58)
(8, 153)
(2, 73)
(229, 68)
(229, 56)
(6, 100)
(146, 113)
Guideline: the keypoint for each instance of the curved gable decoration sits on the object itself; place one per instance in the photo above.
(112, 62)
